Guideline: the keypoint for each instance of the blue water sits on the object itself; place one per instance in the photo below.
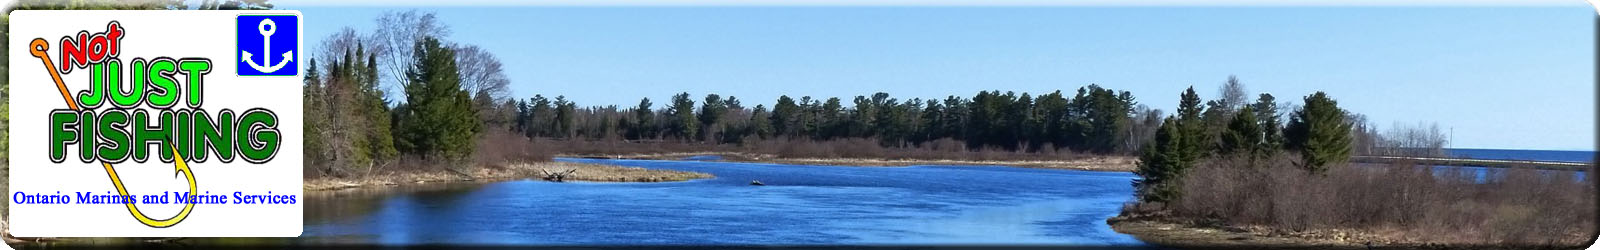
(1517, 154)
(805, 205)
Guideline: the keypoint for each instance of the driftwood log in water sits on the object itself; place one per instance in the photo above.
(558, 176)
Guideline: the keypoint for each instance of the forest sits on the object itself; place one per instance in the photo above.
(451, 102)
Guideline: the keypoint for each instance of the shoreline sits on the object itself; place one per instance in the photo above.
(581, 172)
(1093, 163)
(1166, 232)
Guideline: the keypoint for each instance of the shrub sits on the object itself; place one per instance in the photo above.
(1448, 206)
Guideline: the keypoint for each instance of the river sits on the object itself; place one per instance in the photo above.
(799, 205)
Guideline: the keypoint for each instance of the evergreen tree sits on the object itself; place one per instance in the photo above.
(541, 117)
(785, 117)
(1101, 118)
(1050, 111)
(711, 112)
(684, 124)
(809, 111)
(761, 123)
(1195, 139)
(380, 137)
(1213, 122)
(931, 126)
(316, 116)
(954, 117)
(1266, 108)
(565, 117)
(643, 120)
(523, 112)
(831, 120)
(863, 120)
(1319, 132)
(1243, 134)
(1162, 163)
(439, 117)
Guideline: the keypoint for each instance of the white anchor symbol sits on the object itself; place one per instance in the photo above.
(267, 27)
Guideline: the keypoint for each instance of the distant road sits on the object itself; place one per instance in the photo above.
(1491, 163)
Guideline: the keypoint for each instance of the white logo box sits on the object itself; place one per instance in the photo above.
(149, 35)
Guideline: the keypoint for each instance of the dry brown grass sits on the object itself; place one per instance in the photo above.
(1101, 163)
(1397, 203)
(1114, 163)
(847, 152)
(585, 172)
(943, 149)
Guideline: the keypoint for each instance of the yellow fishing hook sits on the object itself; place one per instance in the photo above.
(39, 48)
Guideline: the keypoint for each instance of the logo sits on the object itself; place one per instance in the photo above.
(119, 131)
(257, 34)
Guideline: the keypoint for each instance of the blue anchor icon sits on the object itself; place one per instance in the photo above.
(267, 28)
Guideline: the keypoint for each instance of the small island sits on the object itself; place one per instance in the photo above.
(540, 170)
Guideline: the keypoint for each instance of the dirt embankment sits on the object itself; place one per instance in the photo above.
(1097, 163)
(580, 172)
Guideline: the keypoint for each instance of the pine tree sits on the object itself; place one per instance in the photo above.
(761, 122)
(684, 123)
(643, 120)
(523, 112)
(439, 120)
(785, 116)
(565, 117)
(1196, 141)
(1266, 108)
(541, 117)
(955, 117)
(1320, 133)
(831, 119)
(1050, 111)
(380, 138)
(931, 126)
(711, 111)
(1162, 164)
(315, 145)
(1243, 135)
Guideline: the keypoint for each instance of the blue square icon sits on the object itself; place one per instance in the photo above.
(268, 45)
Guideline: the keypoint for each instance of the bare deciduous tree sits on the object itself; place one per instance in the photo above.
(1232, 94)
(335, 45)
(481, 73)
(1422, 140)
(396, 36)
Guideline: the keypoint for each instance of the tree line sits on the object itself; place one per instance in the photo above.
(1095, 119)
(449, 94)
(352, 124)
(1317, 136)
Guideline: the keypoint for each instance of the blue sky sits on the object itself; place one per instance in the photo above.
(1501, 77)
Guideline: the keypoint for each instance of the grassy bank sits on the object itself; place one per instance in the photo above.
(581, 172)
(1170, 233)
(1394, 205)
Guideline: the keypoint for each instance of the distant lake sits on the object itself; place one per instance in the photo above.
(1518, 154)
(805, 205)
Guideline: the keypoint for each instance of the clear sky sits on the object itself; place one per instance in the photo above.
(1501, 77)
